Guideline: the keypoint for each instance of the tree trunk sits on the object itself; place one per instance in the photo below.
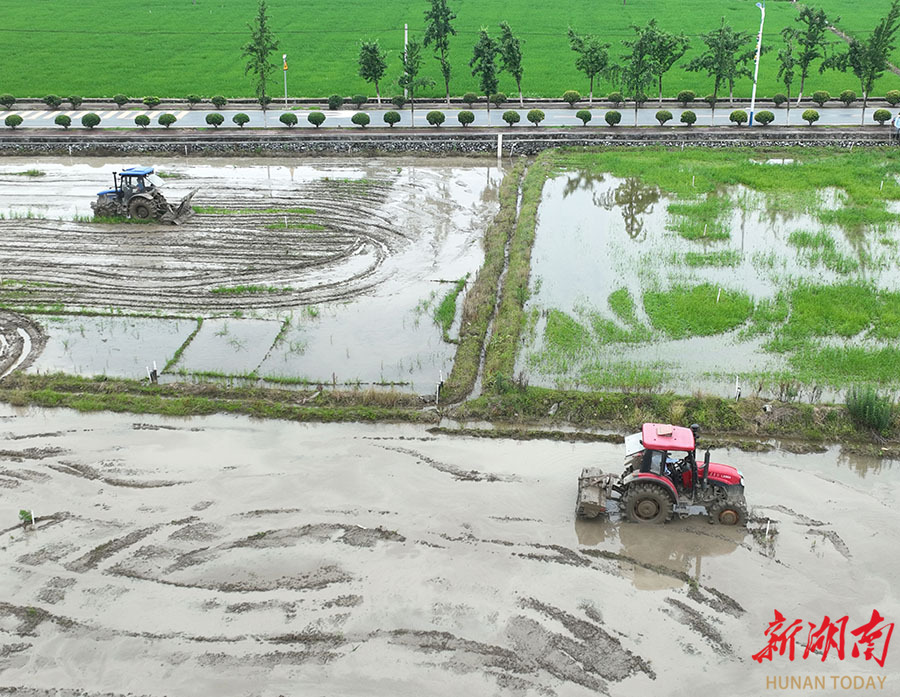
(377, 93)
(635, 112)
(800, 95)
(788, 120)
(521, 101)
(488, 97)
(591, 95)
(447, 85)
(660, 90)
(865, 99)
(412, 110)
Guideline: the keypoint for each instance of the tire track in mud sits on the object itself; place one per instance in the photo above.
(246, 242)
(21, 342)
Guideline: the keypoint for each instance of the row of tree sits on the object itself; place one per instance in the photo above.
(726, 55)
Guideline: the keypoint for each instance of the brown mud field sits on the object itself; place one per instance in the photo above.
(229, 556)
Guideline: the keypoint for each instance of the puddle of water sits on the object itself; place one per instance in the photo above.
(596, 234)
(114, 346)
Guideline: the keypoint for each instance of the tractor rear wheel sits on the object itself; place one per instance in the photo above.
(644, 502)
(728, 513)
(142, 209)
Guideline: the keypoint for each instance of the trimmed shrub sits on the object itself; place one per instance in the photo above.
(764, 118)
(612, 117)
(738, 116)
(240, 119)
(498, 99)
(219, 101)
(882, 116)
(335, 101)
(74, 100)
(63, 120)
(820, 97)
(316, 118)
(53, 101)
(810, 116)
(361, 119)
(289, 119)
(142, 120)
(120, 100)
(535, 116)
(892, 97)
(399, 101)
(870, 409)
(688, 118)
(847, 97)
(511, 117)
(584, 115)
(166, 120)
(686, 97)
(571, 97)
(359, 99)
(7, 100)
(470, 98)
(778, 99)
(465, 118)
(215, 120)
(435, 118)
(151, 102)
(711, 100)
(615, 98)
(264, 101)
(391, 117)
(90, 120)
(13, 120)
(640, 98)
(193, 99)
(662, 116)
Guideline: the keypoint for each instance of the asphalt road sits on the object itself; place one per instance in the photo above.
(124, 118)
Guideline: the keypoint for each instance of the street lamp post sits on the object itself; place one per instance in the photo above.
(762, 9)
(284, 58)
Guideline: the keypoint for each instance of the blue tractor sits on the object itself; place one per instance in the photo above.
(136, 194)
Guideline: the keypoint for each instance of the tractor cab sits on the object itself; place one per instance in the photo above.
(136, 194)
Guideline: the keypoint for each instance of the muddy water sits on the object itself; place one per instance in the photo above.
(598, 233)
(226, 555)
(366, 262)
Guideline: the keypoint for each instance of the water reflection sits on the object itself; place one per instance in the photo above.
(635, 199)
(582, 181)
(657, 557)
(863, 464)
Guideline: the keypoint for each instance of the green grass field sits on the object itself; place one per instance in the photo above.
(176, 47)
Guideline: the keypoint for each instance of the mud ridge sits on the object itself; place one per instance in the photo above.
(456, 472)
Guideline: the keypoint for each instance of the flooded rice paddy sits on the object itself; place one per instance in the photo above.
(323, 271)
(229, 555)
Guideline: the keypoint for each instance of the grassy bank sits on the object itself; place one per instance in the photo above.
(65, 49)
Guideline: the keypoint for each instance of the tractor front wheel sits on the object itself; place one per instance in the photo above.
(727, 513)
(142, 209)
(644, 502)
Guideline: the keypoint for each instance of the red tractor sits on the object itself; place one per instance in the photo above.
(661, 478)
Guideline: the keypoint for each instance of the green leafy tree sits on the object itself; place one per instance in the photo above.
(511, 56)
(638, 70)
(666, 49)
(435, 118)
(811, 43)
(410, 80)
(686, 97)
(764, 117)
(469, 98)
(289, 119)
(892, 97)
(810, 116)
(571, 97)
(738, 116)
(63, 120)
(465, 118)
(166, 119)
(847, 97)
(372, 64)
(592, 57)
(718, 59)
(90, 120)
(662, 116)
(335, 101)
(880, 115)
(258, 52)
(820, 97)
(438, 30)
(151, 101)
(361, 119)
(120, 100)
(358, 100)
(399, 101)
(484, 66)
(219, 101)
(53, 101)
(688, 118)
(511, 117)
(612, 117)
(584, 115)
(316, 118)
(142, 120)
(498, 99)
(240, 119)
(391, 117)
(868, 59)
(7, 100)
(535, 116)
(75, 100)
(193, 99)
(215, 120)
(787, 65)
